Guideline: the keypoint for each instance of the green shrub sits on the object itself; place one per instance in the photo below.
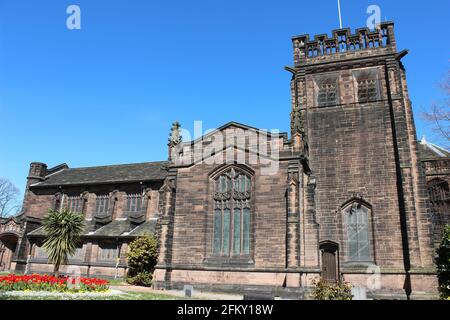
(443, 264)
(142, 257)
(141, 279)
(332, 291)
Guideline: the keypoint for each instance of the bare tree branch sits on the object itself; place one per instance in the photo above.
(439, 115)
(8, 198)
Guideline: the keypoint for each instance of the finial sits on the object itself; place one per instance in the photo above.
(423, 141)
(175, 137)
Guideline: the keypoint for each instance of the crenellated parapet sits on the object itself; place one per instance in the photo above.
(343, 41)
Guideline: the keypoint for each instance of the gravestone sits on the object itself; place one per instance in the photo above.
(359, 293)
(188, 291)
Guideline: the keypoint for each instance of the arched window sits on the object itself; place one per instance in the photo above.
(357, 222)
(232, 207)
(438, 190)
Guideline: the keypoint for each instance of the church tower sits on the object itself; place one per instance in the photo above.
(352, 116)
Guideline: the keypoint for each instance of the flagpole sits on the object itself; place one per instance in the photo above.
(339, 10)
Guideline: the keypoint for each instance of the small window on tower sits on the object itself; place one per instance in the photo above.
(367, 87)
(327, 92)
(367, 90)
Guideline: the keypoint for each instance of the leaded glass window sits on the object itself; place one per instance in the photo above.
(358, 233)
(79, 253)
(232, 207)
(75, 204)
(328, 93)
(40, 252)
(107, 251)
(101, 204)
(134, 203)
(439, 191)
(367, 90)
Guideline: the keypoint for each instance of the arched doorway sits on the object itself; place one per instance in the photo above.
(8, 245)
(330, 261)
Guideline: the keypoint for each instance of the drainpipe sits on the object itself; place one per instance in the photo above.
(118, 258)
(61, 205)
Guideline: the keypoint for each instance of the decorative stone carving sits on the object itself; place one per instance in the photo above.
(10, 227)
(175, 137)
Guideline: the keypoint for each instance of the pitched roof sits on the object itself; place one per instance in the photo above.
(145, 228)
(107, 174)
(430, 151)
(115, 228)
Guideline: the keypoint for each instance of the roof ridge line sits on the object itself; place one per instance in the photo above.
(438, 147)
(117, 165)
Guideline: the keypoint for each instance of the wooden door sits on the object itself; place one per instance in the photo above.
(329, 270)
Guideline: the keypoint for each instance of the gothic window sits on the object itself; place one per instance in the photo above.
(75, 204)
(107, 251)
(327, 92)
(232, 195)
(79, 254)
(134, 203)
(39, 252)
(358, 232)
(101, 204)
(439, 191)
(367, 89)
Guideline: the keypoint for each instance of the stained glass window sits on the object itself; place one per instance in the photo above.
(232, 197)
(358, 234)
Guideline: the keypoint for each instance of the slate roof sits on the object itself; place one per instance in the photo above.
(107, 174)
(430, 151)
(116, 228)
(146, 227)
(39, 232)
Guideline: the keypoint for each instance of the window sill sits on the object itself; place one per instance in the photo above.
(357, 265)
(224, 261)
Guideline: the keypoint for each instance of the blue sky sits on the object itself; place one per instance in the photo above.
(108, 93)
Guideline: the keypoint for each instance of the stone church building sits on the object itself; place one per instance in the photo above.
(349, 193)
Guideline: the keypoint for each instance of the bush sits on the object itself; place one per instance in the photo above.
(141, 279)
(142, 257)
(332, 291)
(443, 264)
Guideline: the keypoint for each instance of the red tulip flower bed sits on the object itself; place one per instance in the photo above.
(37, 282)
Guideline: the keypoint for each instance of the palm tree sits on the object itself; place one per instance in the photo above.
(63, 230)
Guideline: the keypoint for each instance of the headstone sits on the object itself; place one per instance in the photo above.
(359, 293)
(188, 291)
